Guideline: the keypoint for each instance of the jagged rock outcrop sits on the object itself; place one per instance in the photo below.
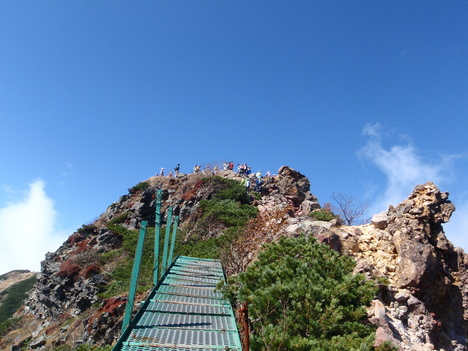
(423, 304)
(67, 287)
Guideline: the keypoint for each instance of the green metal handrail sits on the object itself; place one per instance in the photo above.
(166, 260)
(134, 278)
(157, 229)
(166, 240)
(174, 234)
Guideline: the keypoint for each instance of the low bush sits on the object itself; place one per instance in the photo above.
(90, 348)
(119, 278)
(303, 296)
(227, 211)
(119, 219)
(323, 214)
(229, 189)
(91, 270)
(139, 187)
(214, 247)
(88, 229)
(69, 269)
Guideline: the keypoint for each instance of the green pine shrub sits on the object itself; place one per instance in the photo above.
(88, 348)
(225, 206)
(214, 247)
(119, 219)
(139, 187)
(303, 296)
(323, 214)
(387, 346)
(87, 229)
(227, 211)
(228, 189)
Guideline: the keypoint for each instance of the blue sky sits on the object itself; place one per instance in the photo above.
(366, 98)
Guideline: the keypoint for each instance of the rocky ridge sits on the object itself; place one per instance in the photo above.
(421, 305)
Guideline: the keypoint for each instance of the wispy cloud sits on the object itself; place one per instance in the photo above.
(402, 165)
(66, 172)
(404, 168)
(68, 169)
(27, 229)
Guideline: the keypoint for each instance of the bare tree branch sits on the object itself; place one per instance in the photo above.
(348, 209)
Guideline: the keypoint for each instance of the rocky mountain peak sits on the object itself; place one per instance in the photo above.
(422, 302)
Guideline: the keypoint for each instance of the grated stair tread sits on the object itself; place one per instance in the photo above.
(185, 312)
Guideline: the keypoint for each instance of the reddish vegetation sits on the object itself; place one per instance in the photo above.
(50, 330)
(191, 194)
(112, 305)
(91, 270)
(75, 238)
(69, 269)
(83, 243)
(327, 207)
(81, 247)
(263, 229)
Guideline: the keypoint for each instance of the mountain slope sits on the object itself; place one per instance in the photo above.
(13, 288)
(80, 293)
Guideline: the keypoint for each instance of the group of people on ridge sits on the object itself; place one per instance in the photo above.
(258, 179)
(242, 169)
(176, 171)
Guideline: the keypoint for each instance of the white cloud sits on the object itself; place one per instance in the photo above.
(27, 230)
(405, 168)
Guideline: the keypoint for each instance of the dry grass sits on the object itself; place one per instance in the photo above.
(263, 229)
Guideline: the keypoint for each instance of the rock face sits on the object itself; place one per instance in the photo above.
(68, 286)
(427, 269)
(422, 303)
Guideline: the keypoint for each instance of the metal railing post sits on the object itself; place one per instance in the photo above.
(166, 240)
(134, 278)
(174, 234)
(157, 229)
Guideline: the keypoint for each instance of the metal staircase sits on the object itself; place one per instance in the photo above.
(183, 312)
